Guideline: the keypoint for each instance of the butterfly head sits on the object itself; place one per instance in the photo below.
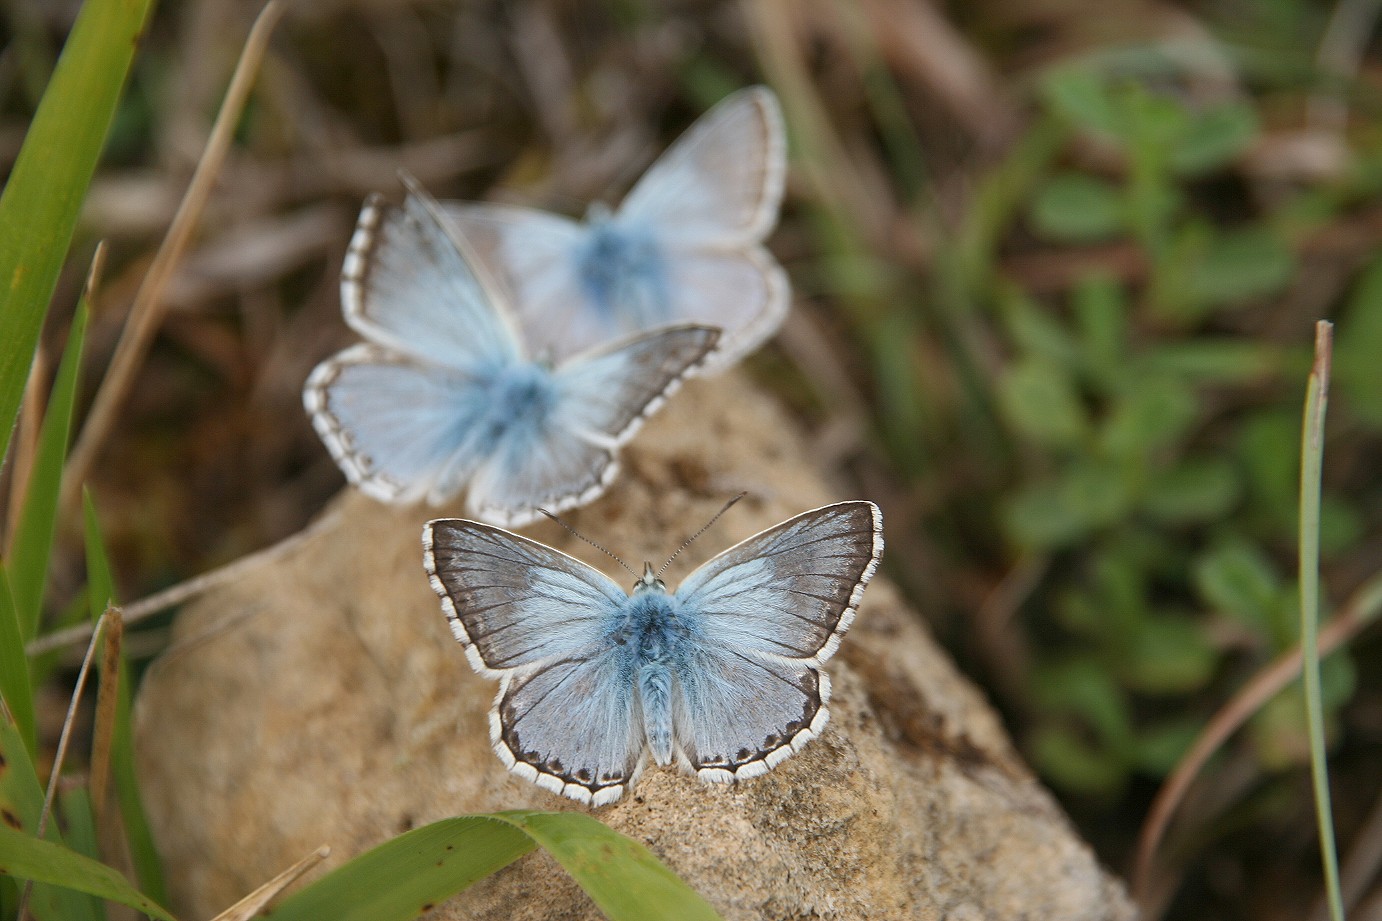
(649, 582)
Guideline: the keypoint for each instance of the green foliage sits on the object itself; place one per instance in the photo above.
(27, 857)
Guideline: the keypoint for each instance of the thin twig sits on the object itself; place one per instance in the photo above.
(174, 595)
(58, 757)
(1360, 611)
(147, 312)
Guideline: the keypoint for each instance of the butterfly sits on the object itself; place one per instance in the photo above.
(722, 676)
(683, 247)
(441, 396)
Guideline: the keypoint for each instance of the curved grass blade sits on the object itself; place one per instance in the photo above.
(38, 209)
(46, 862)
(101, 593)
(408, 875)
(623, 877)
(33, 538)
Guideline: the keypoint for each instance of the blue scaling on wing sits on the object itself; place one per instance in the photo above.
(442, 399)
(684, 247)
(542, 622)
(722, 676)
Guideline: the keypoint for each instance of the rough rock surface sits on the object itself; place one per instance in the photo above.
(322, 699)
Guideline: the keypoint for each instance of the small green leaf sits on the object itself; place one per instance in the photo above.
(1035, 332)
(1170, 654)
(1081, 96)
(1071, 763)
(1083, 687)
(1358, 346)
(1236, 577)
(1041, 402)
(1221, 360)
(1101, 306)
(1158, 748)
(1053, 513)
(1148, 415)
(46, 862)
(1194, 491)
(33, 538)
(1213, 138)
(1077, 208)
(1239, 266)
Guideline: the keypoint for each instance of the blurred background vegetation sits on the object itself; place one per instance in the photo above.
(1056, 266)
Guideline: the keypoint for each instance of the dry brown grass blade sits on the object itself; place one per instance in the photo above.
(250, 905)
(25, 442)
(61, 754)
(107, 697)
(1361, 610)
(148, 309)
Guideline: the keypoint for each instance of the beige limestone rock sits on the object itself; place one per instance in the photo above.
(321, 699)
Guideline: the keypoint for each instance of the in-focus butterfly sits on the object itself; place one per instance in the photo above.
(442, 396)
(722, 676)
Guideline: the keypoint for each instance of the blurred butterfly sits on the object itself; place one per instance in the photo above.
(684, 247)
(442, 397)
(722, 676)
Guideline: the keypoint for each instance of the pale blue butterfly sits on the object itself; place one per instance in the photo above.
(684, 247)
(442, 396)
(722, 676)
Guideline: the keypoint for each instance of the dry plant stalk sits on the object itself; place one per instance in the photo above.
(147, 312)
(248, 907)
(107, 699)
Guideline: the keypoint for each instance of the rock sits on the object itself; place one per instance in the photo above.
(321, 699)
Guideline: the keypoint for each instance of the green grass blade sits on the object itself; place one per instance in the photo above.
(39, 207)
(404, 877)
(75, 806)
(21, 803)
(15, 679)
(33, 537)
(623, 877)
(1311, 470)
(101, 591)
(43, 861)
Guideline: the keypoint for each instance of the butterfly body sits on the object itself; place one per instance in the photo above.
(721, 676)
(622, 270)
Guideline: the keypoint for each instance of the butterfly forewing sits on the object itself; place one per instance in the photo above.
(720, 184)
(407, 284)
(790, 591)
(515, 603)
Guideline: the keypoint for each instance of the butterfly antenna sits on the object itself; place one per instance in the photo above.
(589, 541)
(701, 531)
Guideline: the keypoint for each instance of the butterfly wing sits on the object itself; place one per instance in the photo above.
(720, 183)
(744, 292)
(396, 428)
(600, 401)
(774, 607)
(566, 714)
(409, 283)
